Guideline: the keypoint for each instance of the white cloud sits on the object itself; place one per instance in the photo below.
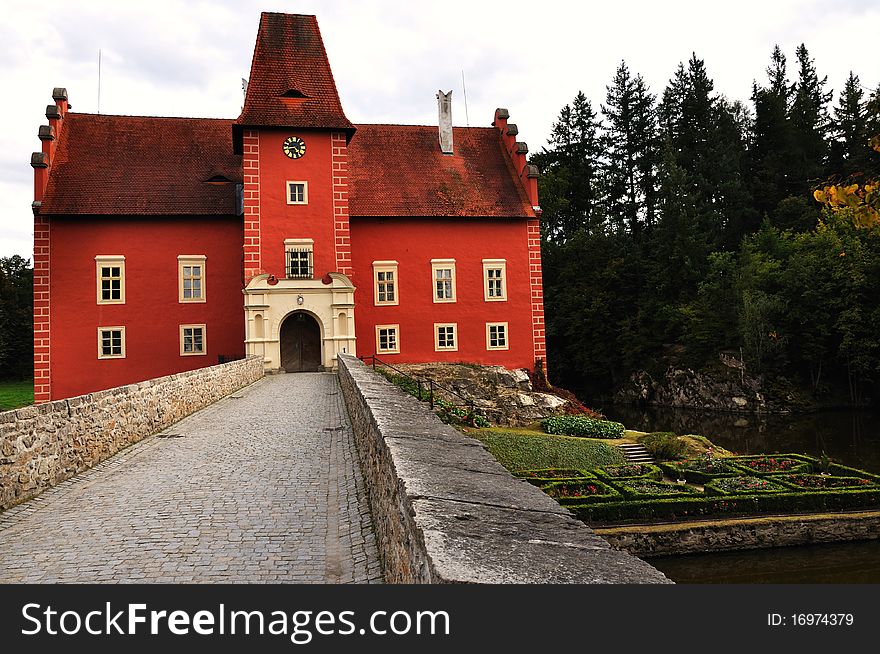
(389, 57)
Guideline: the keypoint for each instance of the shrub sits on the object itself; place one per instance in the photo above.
(630, 471)
(742, 485)
(641, 489)
(772, 463)
(582, 426)
(663, 445)
(679, 507)
(581, 492)
(820, 482)
(541, 478)
(700, 470)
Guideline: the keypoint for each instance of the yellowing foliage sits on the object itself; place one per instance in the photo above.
(862, 199)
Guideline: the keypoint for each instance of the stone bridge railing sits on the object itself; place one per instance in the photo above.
(45, 444)
(446, 512)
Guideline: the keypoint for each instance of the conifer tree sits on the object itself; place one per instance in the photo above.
(810, 120)
(772, 149)
(631, 153)
(570, 172)
(849, 149)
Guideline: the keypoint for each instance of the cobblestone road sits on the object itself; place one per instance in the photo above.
(263, 486)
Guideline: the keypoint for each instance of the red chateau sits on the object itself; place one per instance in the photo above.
(166, 244)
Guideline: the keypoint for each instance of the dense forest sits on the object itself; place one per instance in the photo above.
(682, 225)
(16, 318)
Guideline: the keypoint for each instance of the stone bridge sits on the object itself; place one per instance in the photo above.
(312, 477)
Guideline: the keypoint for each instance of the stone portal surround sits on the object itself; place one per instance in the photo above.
(45, 444)
(445, 511)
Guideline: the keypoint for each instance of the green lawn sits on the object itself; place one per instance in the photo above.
(14, 394)
(525, 449)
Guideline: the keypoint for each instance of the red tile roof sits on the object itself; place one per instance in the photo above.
(289, 56)
(134, 165)
(398, 170)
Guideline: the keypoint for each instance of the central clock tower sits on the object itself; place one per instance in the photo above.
(293, 137)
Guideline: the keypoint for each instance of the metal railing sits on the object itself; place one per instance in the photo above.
(426, 387)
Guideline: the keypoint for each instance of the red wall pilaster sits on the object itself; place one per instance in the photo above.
(537, 288)
(251, 167)
(42, 371)
(342, 234)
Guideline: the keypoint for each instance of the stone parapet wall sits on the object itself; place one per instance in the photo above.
(45, 444)
(743, 533)
(445, 511)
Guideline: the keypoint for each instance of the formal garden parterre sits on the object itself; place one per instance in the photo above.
(708, 486)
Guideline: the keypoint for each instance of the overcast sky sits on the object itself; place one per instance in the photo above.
(389, 58)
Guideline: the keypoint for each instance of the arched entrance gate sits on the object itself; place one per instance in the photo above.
(300, 343)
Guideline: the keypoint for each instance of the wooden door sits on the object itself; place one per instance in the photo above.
(300, 343)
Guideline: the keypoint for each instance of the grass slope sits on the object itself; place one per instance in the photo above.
(524, 449)
(15, 394)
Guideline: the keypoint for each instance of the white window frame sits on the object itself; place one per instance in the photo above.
(495, 264)
(396, 350)
(305, 187)
(204, 351)
(190, 261)
(110, 261)
(384, 267)
(101, 355)
(291, 244)
(445, 348)
(443, 264)
(489, 345)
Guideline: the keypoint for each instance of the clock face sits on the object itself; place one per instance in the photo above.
(294, 147)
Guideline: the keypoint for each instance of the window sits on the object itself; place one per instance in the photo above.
(445, 337)
(111, 342)
(385, 283)
(387, 339)
(192, 340)
(443, 273)
(111, 278)
(191, 278)
(496, 335)
(495, 280)
(300, 258)
(297, 193)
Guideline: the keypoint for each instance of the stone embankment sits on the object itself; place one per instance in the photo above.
(726, 386)
(742, 533)
(45, 444)
(505, 397)
(446, 512)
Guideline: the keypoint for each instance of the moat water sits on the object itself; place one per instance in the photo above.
(848, 437)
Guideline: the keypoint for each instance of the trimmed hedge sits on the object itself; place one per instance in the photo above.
(698, 476)
(727, 486)
(797, 463)
(559, 492)
(582, 426)
(637, 489)
(547, 476)
(671, 508)
(629, 471)
(822, 483)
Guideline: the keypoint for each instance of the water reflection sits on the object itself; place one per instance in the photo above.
(848, 437)
(839, 563)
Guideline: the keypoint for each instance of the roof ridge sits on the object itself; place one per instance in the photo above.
(97, 115)
(420, 125)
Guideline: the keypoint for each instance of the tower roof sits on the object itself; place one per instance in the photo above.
(291, 84)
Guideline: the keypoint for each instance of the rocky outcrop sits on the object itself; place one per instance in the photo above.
(504, 396)
(724, 387)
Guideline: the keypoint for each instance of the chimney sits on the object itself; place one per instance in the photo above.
(444, 106)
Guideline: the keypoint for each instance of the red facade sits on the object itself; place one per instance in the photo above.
(166, 244)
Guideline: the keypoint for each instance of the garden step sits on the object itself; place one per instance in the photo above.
(636, 453)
